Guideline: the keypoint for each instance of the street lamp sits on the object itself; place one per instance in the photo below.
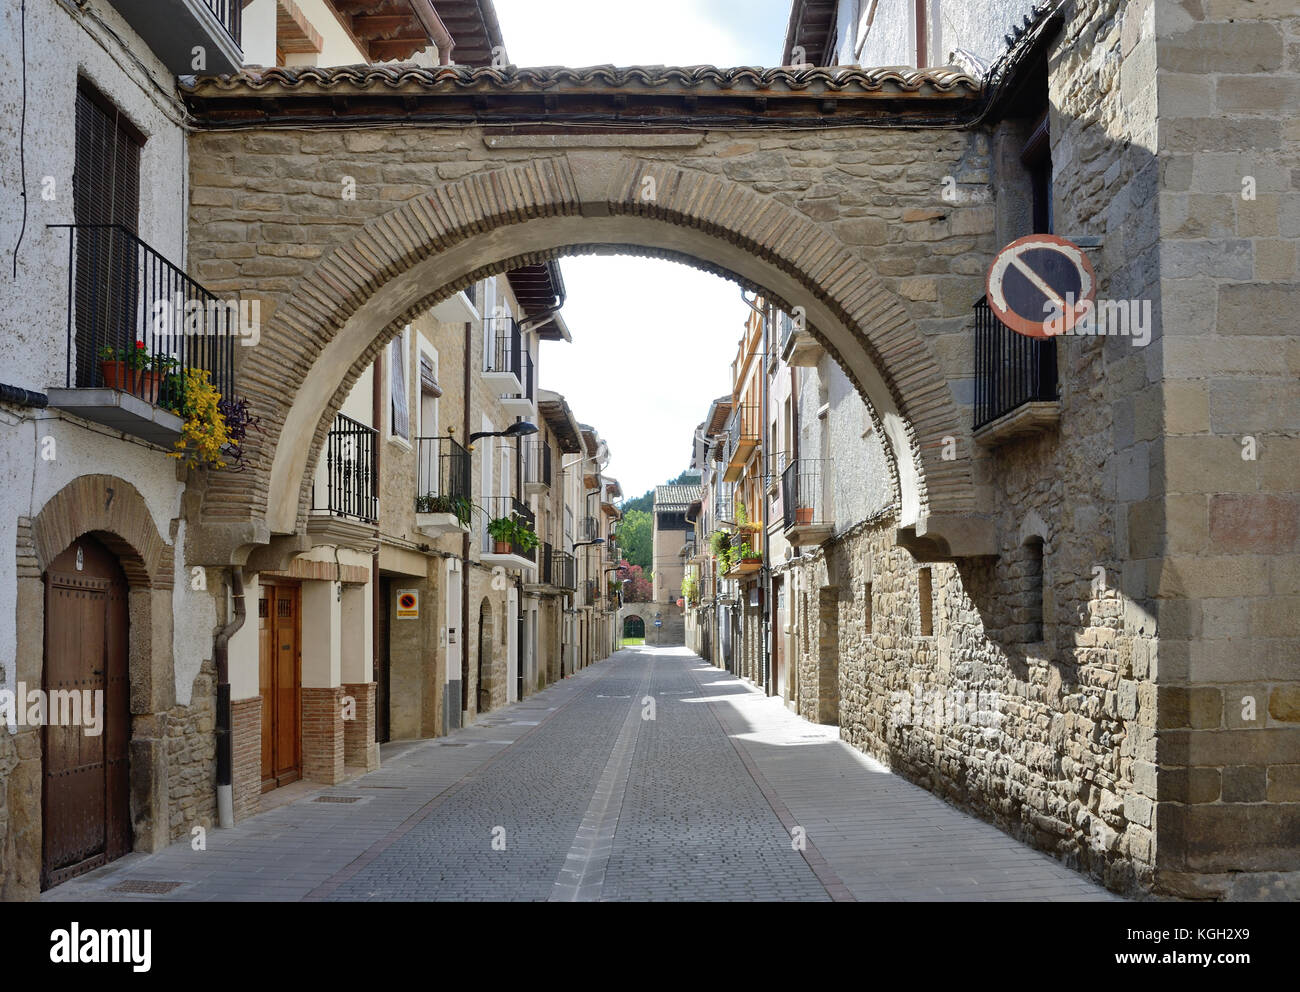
(521, 428)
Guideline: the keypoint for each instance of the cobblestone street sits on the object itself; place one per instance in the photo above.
(574, 794)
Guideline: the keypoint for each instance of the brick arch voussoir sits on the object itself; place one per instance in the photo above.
(113, 510)
(341, 283)
(842, 281)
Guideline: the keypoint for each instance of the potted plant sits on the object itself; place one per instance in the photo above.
(502, 531)
(526, 539)
(803, 515)
(204, 434)
(457, 506)
(122, 368)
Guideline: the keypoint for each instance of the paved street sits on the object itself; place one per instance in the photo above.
(575, 794)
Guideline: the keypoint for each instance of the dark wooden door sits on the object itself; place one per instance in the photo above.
(384, 663)
(778, 639)
(85, 798)
(280, 674)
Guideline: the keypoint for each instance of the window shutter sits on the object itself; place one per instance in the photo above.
(397, 387)
(105, 190)
(428, 378)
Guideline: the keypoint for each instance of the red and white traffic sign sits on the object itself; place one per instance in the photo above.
(1040, 285)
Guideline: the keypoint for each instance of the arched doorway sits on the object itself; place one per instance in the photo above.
(633, 628)
(486, 629)
(85, 793)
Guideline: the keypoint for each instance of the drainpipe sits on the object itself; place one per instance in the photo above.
(22, 397)
(765, 616)
(464, 543)
(221, 654)
(435, 29)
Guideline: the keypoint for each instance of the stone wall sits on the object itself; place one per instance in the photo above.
(192, 758)
(1216, 534)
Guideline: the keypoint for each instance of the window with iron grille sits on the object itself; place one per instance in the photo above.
(106, 194)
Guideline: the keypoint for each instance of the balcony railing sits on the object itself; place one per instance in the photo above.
(588, 529)
(229, 13)
(537, 462)
(1010, 369)
(724, 502)
(350, 484)
(504, 346)
(507, 506)
(804, 493)
(588, 593)
(611, 550)
(442, 475)
(742, 437)
(138, 323)
(564, 569)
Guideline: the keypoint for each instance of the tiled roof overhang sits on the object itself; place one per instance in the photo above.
(554, 409)
(386, 29)
(539, 288)
(473, 26)
(635, 96)
(811, 26)
(718, 414)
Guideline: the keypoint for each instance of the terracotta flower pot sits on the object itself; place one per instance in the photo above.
(139, 382)
(115, 374)
(501, 547)
(803, 515)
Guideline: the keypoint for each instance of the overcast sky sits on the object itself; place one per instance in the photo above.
(652, 341)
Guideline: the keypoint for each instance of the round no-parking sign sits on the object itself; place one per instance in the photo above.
(1040, 285)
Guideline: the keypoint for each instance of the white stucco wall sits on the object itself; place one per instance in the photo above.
(60, 48)
(62, 45)
(31, 480)
(979, 26)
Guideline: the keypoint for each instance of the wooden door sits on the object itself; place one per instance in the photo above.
(384, 663)
(85, 796)
(280, 673)
(778, 639)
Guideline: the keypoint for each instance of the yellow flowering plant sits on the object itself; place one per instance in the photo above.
(205, 433)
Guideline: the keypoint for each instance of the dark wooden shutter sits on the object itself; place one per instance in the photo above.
(105, 190)
(428, 379)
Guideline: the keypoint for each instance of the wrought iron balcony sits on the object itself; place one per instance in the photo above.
(537, 465)
(589, 529)
(565, 568)
(743, 431)
(503, 354)
(798, 346)
(1011, 370)
(349, 487)
(442, 486)
(137, 327)
(805, 501)
(523, 404)
(173, 29)
(514, 554)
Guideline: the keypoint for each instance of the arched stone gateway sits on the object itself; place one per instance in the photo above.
(344, 234)
(107, 518)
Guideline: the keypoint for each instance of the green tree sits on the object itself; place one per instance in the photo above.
(636, 537)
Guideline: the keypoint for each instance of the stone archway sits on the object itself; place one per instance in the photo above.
(330, 317)
(114, 513)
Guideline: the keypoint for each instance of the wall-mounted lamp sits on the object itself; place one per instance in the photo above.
(521, 428)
